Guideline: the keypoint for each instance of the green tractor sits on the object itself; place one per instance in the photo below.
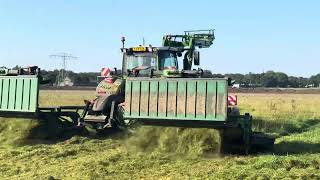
(153, 90)
(143, 62)
(150, 89)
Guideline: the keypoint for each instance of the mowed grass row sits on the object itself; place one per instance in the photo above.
(168, 153)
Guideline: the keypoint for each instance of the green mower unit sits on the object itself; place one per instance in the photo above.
(19, 97)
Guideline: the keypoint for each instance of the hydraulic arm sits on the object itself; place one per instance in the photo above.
(188, 43)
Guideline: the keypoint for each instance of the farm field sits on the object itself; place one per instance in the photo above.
(166, 153)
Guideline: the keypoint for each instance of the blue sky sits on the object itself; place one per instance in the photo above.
(251, 36)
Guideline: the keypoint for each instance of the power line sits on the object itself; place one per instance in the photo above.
(63, 73)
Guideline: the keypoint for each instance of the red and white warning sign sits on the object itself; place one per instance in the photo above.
(232, 100)
(105, 72)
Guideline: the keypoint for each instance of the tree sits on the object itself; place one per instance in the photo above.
(274, 79)
(207, 74)
(315, 80)
(282, 79)
(237, 77)
(297, 82)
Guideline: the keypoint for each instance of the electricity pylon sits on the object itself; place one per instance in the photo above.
(63, 73)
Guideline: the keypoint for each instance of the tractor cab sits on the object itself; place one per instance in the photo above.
(156, 62)
(162, 61)
(143, 61)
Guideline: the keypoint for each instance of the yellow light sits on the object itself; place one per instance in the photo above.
(139, 48)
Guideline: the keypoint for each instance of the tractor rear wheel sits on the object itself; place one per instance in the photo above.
(232, 141)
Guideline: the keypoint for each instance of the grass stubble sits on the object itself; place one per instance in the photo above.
(167, 153)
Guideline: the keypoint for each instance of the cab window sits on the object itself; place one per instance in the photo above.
(167, 60)
(145, 61)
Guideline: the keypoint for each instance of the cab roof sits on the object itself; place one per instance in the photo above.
(141, 49)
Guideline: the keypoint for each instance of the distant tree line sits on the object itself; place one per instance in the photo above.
(79, 79)
(272, 79)
(267, 79)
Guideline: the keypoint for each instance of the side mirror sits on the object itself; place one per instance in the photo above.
(196, 58)
(115, 71)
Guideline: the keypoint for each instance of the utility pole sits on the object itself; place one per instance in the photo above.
(63, 72)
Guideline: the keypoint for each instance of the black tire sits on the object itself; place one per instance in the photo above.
(232, 142)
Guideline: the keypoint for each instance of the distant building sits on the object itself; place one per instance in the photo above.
(67, 82)
(309, 86)
(236, 86)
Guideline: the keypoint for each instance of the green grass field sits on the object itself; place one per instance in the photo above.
(167, 153)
